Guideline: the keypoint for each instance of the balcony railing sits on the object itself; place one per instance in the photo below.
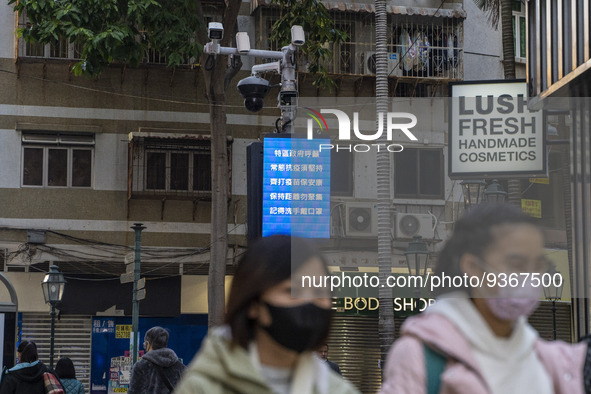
(418, 46)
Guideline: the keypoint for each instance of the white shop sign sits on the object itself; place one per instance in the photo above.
(492, 133)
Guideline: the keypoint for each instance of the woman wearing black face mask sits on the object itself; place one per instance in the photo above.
(268, 344)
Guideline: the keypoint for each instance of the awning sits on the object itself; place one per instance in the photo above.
(370, 8)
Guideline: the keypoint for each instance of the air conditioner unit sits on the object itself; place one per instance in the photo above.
(361, 220)
(367, 61)
(410, 224)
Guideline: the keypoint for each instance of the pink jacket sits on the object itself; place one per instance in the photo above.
(405, 367)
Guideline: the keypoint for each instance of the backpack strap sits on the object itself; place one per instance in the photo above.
(434, 366)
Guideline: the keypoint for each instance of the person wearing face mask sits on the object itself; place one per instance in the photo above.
(477, 340)
(267, 345)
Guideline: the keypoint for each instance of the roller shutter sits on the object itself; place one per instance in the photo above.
(354, 344)
(541, 320)
(72, 339)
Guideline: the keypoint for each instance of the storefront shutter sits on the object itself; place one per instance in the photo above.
(72, 339)
(541, 320)
(354, 344)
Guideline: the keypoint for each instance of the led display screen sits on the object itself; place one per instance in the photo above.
(296, 187)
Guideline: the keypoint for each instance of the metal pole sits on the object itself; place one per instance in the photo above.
(51, 337)
(554, 318)
(417, 289)
(288, 84)
(135, 315)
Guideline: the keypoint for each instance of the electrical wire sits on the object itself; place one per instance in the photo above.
(83, 257)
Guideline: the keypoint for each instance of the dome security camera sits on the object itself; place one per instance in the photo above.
(253, 89)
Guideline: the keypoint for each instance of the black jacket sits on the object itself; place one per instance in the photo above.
(146, 377)
(27, 380)
(334, 366)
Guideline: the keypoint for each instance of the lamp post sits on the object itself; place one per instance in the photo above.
(417, 256)
(553, 293)
(473, 192)
(494, 192)
(53, 289)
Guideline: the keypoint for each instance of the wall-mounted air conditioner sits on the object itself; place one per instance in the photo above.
(410, 224)
(361, 219)
(367, 61)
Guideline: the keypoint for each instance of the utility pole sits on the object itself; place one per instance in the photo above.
(135, 316)
(386, 311)
(253, 89)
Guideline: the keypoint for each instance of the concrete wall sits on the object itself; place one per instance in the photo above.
(28, 290)
(482, 46)
(7, 31)
(194, 293)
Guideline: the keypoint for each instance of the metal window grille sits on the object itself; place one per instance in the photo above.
(172, 168)
(418, 46)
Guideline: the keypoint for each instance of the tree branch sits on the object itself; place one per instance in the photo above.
(232, 70)
(202, 32)
(229, 21)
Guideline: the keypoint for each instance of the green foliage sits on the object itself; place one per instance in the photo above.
(492, 9)
(320, 30)
(108, 31)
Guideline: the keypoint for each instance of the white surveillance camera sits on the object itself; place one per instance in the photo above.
(215, 30)
(242, 42)
(298, 38)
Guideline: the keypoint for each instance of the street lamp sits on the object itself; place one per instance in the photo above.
(553, 293)
(53, 289)
(417, 256)
(473, 192)
(494, 193)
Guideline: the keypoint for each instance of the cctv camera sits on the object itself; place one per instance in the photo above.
(298, 38)
(242, 42)
(288, 98)
(253, 89)
(215, 30)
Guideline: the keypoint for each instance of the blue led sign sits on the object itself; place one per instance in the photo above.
(296, 187)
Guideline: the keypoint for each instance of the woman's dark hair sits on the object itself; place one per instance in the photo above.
(266, 263)
(65, 369)
(474, 234)
(28, 351)
(157, 337)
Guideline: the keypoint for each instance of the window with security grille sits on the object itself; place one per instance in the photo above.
(428, 46)
(418, 173)
(171, 167)
(57, 160)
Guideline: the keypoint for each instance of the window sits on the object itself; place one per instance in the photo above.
(345, 50)
(341, 173)
(172, 167)
(418, 173)
(418, 46)
(57, 160)
(519, 29)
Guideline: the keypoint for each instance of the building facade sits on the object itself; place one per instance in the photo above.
(82, 160)
(559, 82)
